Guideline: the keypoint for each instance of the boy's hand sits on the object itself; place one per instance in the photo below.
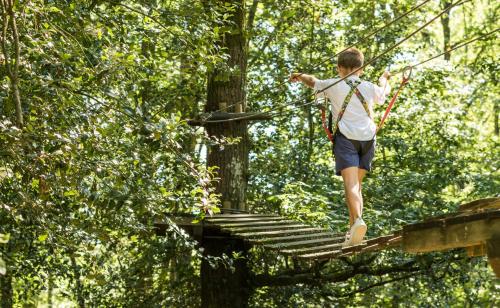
(295, 77)
(387, 75)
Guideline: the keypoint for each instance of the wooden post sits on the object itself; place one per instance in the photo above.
(476, 251)
(226, 204)
(493, 251)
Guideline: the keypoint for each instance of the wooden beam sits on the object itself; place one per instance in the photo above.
(237, 223)
(489, 203)
(307, 243)
(320, 255)
(265, 228)
(476, 251)
(242, 220)
(292, 238)
(447, 234)
(310, 250)
(493, 251)
(254, 235)
(237, 216)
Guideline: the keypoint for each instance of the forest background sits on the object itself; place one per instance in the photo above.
(95, 147)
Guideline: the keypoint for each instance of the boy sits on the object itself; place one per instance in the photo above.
(354, 139)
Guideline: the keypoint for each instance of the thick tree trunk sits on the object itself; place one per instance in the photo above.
(226, 85)
(7, 294)
(222, 286)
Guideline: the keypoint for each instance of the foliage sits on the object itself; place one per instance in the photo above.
(106, 87)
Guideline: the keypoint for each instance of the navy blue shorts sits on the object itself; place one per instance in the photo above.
(352, 153)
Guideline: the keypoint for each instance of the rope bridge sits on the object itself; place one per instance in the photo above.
(476, 227)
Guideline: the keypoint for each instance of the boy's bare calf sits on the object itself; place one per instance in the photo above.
(353, 178)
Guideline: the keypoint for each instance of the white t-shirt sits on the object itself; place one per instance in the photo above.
(355, 123)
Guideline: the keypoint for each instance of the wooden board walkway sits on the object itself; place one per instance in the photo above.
(476, 227)
(292, 238)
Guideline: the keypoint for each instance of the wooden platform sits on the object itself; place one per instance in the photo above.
(476, 227)
(292, 238)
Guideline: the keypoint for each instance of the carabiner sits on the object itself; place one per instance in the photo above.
(408, 69)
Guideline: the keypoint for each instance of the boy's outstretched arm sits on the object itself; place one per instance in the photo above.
(383, 89)
(308, 80)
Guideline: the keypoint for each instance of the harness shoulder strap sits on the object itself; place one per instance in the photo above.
(354, 85)
(344, 106)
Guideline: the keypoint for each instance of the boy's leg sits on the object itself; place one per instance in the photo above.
(352, 187)
(361, 175)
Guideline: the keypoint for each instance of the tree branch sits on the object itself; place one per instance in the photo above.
(12, 65)
(315, 278)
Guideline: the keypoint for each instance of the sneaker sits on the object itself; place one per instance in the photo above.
(358, 231)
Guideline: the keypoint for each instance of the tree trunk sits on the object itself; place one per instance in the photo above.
(226, 85)
(7, 294)
(50, 289)
(78, 284)
(12, 65)
(445, 21)
(222, 286)
(496, 111)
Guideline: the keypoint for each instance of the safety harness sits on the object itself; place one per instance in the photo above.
(330, 129)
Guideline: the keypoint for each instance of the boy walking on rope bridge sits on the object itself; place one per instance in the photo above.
(353, 131)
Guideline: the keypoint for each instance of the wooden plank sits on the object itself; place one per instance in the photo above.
(256, 235)
(393, 242)
(291, 238)
(253, 223)
(244, 219)
(310, 250)
(488, 203)
(457, 235)
(459, 218)
(380, 239)
(493, 252)
(373, 247)
(306, 243)
(476, 251)
(265, 228)
(320, 255)
(354, 248)
(485, 214)
(390, 243)
(217, 216)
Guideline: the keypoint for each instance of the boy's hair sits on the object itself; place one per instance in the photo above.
(352, 58)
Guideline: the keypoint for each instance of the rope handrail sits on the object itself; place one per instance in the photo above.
(361, 40)
(372, 60)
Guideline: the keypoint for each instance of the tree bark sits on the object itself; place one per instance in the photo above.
(445, 21)
(12, 65)
(496, 111)
(226, 84)
(7, 294)
(50, 288)
(78, 284)
(222, 286)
